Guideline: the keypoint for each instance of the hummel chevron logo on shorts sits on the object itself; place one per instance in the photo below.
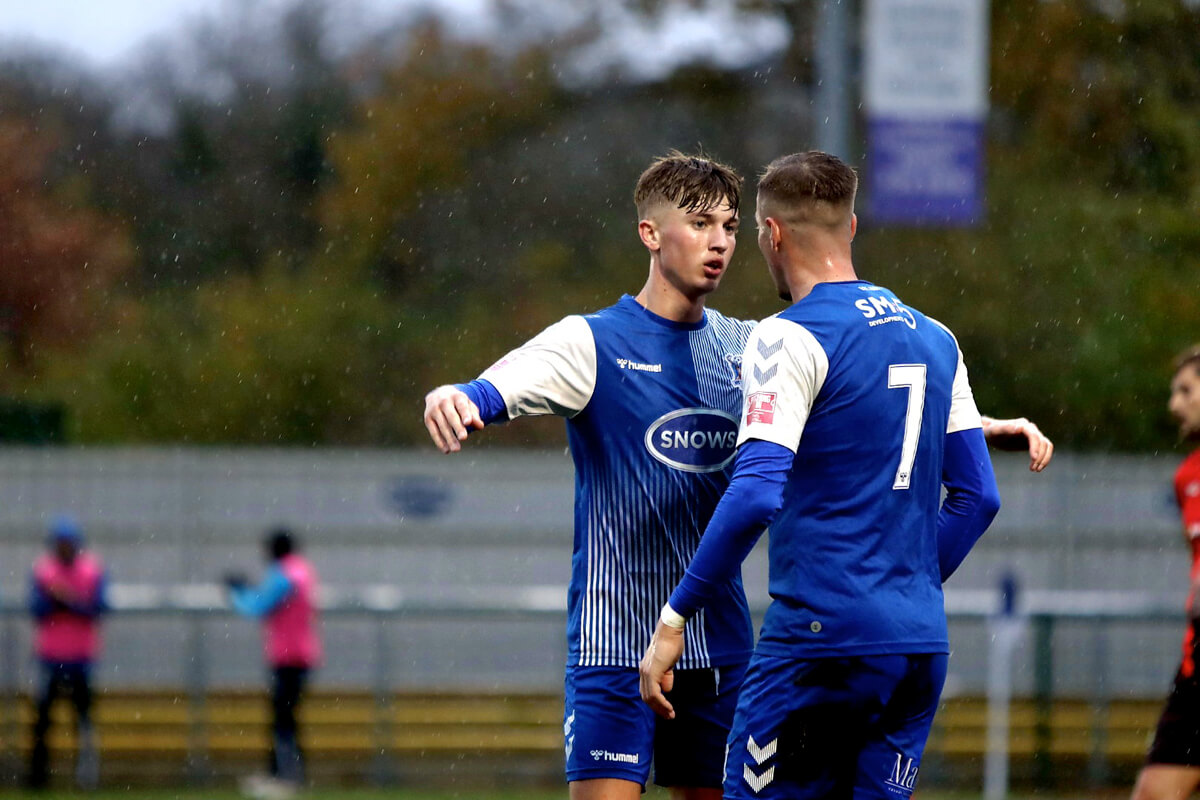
(759, 754)
(569, 734)
(757, 782)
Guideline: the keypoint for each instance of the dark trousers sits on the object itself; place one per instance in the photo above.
(73, 680)
(287, 686)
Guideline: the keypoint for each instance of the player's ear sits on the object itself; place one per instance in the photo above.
(776, 233)
(853, 225)
(648, 233)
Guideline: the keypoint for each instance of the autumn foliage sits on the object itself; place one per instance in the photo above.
(59, 256)
(289, 244)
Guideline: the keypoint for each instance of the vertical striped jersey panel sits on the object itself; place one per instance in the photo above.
(652, 452)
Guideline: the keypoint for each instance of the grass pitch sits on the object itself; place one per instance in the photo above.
(338, 793)
(321, 793)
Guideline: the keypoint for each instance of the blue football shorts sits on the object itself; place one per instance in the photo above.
(610, 733)
(852, 727)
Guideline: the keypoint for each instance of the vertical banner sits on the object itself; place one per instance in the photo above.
(925, 94)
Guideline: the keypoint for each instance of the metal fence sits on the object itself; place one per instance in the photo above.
(1073, 643)
(511, 639)
(485, 523)
(449, 573)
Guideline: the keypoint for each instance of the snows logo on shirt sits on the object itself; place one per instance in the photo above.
(693, 439)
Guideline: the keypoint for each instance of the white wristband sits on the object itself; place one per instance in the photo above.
(672, 618)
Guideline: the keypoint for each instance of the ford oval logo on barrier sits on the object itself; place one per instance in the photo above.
(693, 439)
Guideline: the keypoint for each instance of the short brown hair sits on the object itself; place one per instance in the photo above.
(809, 187)
(1191, 357)
(690, 182)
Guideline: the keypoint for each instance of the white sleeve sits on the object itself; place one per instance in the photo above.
(783, 369)
(963, 413)
(552, 373)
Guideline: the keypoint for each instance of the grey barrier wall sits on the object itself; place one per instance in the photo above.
(419, 528)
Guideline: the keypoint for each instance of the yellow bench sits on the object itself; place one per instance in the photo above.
(349, 730)
(334, 725)
(1070, 729)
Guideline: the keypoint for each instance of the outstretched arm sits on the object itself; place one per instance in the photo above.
(552, 373)
(258, 601)
(754, 496)
(972, 498)
(1019, 434)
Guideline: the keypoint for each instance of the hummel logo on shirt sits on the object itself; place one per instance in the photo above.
(622, 758)
(625, 363)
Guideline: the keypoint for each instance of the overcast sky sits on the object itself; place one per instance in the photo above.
(109, 33)
(103, 32)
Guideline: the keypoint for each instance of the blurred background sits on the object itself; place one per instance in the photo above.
(240, 240)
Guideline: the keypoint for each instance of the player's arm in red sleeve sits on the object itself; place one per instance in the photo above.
(1187, 494)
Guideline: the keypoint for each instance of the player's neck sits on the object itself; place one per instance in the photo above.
(665, 300)
(808, 267)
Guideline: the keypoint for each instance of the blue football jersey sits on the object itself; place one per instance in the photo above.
(864, 390)
(652, 416)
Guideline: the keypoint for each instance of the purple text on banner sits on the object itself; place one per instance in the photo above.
(925, 172)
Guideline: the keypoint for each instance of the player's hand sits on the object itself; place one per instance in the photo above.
(1018, 434)
(658, 668)
(448, 414)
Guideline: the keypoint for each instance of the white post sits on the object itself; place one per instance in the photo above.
(833, 93)
(1006, 628)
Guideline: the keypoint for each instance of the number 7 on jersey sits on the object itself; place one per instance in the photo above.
(911, 377)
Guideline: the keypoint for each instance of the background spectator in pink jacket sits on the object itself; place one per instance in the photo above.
(285, 600)
(67, 600)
